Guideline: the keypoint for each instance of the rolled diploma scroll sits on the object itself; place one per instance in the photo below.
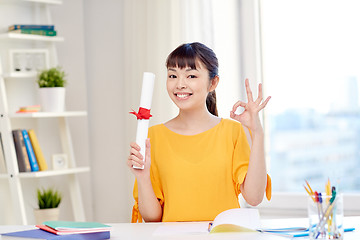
(145, 102)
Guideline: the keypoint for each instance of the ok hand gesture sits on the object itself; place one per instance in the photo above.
(250, 116)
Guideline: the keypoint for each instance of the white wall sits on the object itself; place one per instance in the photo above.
(69, 20)
(107, 111)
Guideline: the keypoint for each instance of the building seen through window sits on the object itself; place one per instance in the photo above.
(311, 56)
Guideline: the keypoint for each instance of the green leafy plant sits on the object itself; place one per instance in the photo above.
(53, 77)
(48, 198)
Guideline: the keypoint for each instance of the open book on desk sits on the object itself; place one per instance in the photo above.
(236, 220)
(248, 220)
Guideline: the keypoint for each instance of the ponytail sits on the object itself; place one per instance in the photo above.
(211, 103)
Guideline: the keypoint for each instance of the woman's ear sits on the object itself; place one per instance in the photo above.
(213, 84)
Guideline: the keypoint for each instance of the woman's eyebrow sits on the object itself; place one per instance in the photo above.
(187, 70)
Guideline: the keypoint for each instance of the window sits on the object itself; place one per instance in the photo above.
(311, 68)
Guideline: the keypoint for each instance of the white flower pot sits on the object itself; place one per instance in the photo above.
(48, 214)
(52, 99)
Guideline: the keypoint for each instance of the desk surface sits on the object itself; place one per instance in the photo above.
(190, 230)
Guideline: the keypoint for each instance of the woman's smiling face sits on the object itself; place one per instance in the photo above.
(188, 87)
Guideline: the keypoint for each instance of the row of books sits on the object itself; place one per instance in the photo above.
(51, 230)
(45, 30)
(29, 155)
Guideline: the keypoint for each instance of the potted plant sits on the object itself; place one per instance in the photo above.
(52, 84)
(48, 203)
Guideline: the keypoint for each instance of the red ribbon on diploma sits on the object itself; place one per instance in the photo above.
(142, 114)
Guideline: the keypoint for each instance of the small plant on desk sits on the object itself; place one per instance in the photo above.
(48, 202)
(48, 198)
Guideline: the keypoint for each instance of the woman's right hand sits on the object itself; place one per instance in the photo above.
(136, 159)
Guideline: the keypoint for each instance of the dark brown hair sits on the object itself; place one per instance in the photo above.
(186, 55)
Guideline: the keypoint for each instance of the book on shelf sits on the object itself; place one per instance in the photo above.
(37, 150)
(30, 151)
(2, 157)
(41, 234)
(32, 26)
(21, 153)
(50, 33)
(70, 227)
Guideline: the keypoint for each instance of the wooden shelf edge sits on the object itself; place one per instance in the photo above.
(49, 114)
(50, 173)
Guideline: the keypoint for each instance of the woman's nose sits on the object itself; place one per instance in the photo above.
(181, 84)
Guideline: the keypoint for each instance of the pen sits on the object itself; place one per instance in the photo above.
(320, 201)
(209, 227)
(328, 193)
(317, 200)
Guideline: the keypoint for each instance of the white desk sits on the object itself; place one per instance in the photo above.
(137, 231)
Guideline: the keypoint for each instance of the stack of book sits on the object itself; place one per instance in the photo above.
(63, 230)
(45, 30)
(29, 109)
(29, 155)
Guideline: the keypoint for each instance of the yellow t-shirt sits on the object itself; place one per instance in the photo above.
(196, 177)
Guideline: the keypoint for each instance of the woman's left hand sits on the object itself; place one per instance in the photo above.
(250, 116)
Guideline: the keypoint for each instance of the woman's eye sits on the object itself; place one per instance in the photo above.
(191, 76)
(172, 76)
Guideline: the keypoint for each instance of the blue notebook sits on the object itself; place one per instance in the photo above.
(40, 234)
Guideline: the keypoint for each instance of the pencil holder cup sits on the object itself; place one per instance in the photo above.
(326, 217)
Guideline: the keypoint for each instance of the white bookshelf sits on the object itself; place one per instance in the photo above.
(12, 92)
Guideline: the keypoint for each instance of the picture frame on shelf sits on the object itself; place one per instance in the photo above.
(28, 61)
(60, 161)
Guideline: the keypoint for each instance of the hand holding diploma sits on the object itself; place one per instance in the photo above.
(143, 115)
